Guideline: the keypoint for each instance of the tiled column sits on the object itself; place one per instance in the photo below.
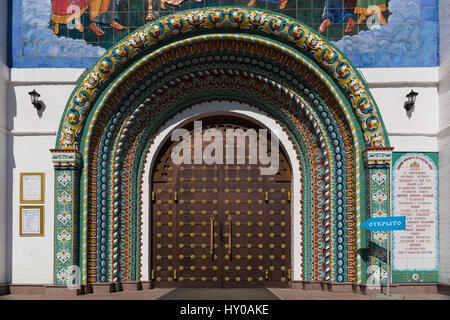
(67, 166)
(377, 162)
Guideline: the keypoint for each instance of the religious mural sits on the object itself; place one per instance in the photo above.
(107, 14)
(373, 33)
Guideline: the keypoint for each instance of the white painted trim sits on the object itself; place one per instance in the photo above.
(27, 133)
(406, 134)
(22, 76)
(375, 77)
(245, 111)
(394, 77)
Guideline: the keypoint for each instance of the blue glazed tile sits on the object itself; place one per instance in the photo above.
(366, 60)
(397, 56)
(28, 48)
(429, 28)
(16, 62)
(89, 62)
(412, 23)
(16, 48)
(16, 34)
(75, 63)
(382, 47)
(382, 60)
(430, 14)
(16, 19)
(430, 59)
(430, 3)
(44, 62)
(29, 62)
(60, 63)
(413, 59)
(429, 43)
(17, 5)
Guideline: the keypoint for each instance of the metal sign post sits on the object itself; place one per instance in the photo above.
(387, 224)
(389, 262)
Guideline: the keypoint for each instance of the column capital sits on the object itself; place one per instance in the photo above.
(377, 156)
(66, 158)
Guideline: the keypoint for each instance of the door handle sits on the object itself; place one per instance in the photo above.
(230, 221)
(211, 251)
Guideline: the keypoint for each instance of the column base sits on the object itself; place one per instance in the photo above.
(62, 290)
(147, 285)
(341, 287)
(101, 288)
(443, 288)
(129, 286)
(4, 289)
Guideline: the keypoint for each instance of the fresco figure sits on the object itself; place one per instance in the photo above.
(66, 12)
(162, 6)
(338, 11)
(367, 8)
(150, 14)
(103, 12)
(282, 3)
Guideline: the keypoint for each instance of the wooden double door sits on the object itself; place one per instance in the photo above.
(220, 225)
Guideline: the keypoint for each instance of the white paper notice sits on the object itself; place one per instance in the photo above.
(415, 196)
(31, 220)
(31, 188)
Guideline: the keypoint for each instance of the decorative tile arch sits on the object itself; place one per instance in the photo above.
(77, 227)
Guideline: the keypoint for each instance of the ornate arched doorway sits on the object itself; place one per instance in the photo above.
(223, 224)
(266, 60)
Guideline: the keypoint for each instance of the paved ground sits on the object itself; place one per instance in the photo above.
(226, 294)
(299, 294)
(220, 294)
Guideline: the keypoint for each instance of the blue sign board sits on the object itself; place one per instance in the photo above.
(385, 224)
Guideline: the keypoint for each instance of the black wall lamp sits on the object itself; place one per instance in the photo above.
(35, 99)
(409, 104)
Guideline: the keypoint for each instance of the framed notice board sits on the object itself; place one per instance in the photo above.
(31, 220)
(415, 195)
(32, 185)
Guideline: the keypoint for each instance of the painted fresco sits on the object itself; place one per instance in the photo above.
(372, 33)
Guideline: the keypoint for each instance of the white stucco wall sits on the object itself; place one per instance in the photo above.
(33, 133)
(417, 131)
(444, 142)
(4, 75)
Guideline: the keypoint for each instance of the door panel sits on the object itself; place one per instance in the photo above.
(221, 225)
